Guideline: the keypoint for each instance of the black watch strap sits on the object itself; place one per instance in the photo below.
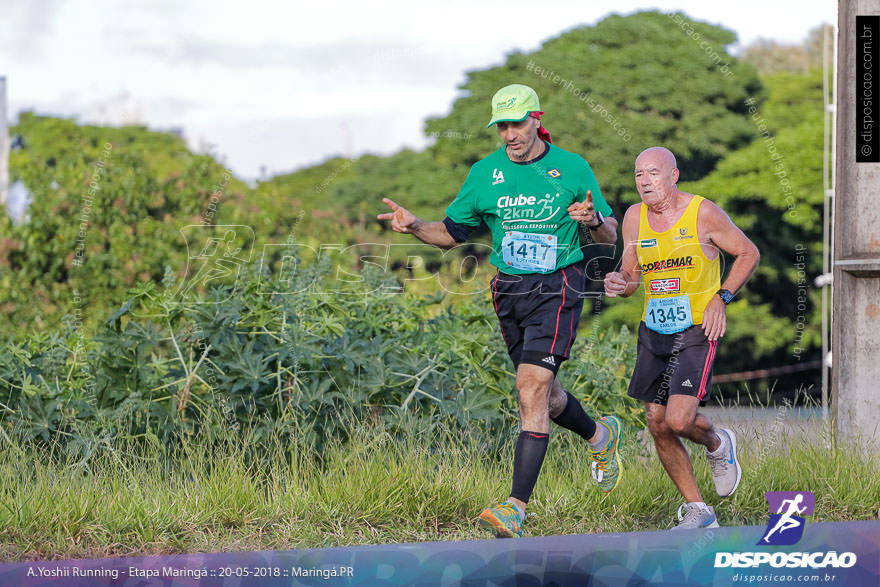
(601, 221)
(726, 295)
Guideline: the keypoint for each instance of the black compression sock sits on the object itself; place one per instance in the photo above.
(527, 460)
(574, 418)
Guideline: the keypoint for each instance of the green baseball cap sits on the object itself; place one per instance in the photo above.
(513, 103)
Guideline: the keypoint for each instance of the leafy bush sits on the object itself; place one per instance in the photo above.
(279, 356)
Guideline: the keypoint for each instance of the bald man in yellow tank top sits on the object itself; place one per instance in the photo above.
(671, 244)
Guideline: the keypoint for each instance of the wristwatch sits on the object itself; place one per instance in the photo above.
(601, 221)
(725, 296)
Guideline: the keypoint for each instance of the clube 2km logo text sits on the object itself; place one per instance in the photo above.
(786, 528)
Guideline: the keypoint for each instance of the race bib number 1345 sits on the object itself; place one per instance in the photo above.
(669, 315)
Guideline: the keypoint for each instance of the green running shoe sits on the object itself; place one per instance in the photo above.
(504, 519)
(606, 466)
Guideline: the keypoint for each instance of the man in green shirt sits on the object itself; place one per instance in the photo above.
(534, 197)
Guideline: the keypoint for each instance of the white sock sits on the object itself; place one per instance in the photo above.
(722, 448)
(702, 504)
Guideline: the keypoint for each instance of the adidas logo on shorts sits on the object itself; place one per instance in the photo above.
(549, 360)
(687, 383)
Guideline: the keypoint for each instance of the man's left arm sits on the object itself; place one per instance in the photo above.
(607, 233)
(594, 203)
(585, 214)
(725, 235)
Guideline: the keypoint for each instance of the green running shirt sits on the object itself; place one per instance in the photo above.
(525, 207)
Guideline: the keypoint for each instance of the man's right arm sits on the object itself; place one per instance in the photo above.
(625, 282)
(432, 233)
(404, 221)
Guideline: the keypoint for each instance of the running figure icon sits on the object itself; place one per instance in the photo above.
(787, 521)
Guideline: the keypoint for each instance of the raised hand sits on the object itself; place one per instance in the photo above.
(583, 211)
(402, 220)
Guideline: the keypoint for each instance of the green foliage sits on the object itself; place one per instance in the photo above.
(108, 205)
(602, 365)
(277, 356)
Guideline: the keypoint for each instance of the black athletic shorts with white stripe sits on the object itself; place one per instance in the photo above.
(539, 314)
(669, 364)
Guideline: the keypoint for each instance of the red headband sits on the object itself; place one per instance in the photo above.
(543, 133)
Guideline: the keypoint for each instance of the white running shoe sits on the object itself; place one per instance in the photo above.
(726, 471)
(696, 516)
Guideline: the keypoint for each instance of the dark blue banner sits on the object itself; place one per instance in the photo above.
(840, 553)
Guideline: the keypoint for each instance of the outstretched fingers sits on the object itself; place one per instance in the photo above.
(389, 215)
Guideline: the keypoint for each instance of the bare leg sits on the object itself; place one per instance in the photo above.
(534, 384)
(672, 452)
(685, 421)
(558, 399)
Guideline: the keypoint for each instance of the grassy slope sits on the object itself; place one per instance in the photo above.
(373, 491)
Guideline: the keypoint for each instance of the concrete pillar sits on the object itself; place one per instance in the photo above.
(856, 235)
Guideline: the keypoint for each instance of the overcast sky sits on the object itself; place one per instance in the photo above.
(286, 84)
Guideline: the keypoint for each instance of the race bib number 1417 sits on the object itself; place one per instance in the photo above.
(528, 251)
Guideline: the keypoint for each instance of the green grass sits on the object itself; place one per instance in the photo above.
(134, 500)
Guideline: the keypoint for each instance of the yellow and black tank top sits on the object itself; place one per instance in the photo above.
(679, 278)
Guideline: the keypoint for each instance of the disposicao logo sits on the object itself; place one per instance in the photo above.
(785, 528)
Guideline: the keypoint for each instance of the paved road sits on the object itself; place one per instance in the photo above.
(760, 427)
(784, 422)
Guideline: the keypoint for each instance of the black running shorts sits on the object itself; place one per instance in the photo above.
(539, 314)
(669, 364)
